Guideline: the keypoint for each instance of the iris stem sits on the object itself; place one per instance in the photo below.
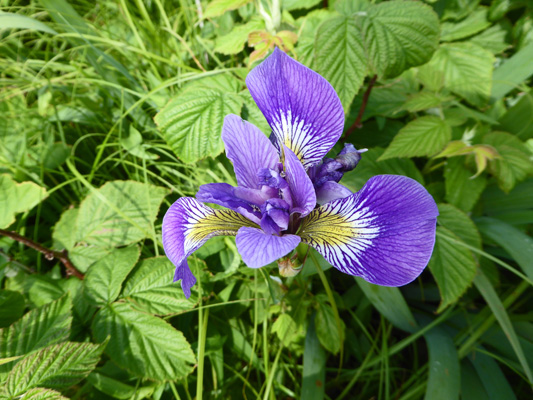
(333, 304)
(357, 123)
(203, 316)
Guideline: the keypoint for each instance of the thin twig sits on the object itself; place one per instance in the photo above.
(357, 124)
(48, 253)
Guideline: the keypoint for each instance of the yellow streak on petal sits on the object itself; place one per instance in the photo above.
(320, 228)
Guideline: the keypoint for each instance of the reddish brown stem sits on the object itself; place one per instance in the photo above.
(48, 253)
(357, 123)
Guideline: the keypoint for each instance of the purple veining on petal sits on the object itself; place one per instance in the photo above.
(301, 106)
(302, 190)
(384, 233)
(275, 216)
(258, 249)
(330, 191)
(249, 150)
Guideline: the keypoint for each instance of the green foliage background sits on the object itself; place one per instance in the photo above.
(110, 111)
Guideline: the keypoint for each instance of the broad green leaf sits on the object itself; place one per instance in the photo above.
(498, 310)
(151, 288)
(38, 328)
(471, 385)
(216, 8)
(119, 213)
(290, 5)
(192, 122)
(515, 163)
(104, 279)
(346, 71)
(518, 119)
(398, 35)
(463, 68)
(42, 394)
(459, 223)
(499, 204)
(57, 366)
(423, 100)
(17, 197)
(314, 368)
(492, 377)
(326, 327)
(472, 24)
(253, 114)
(512, 73)
(83, 255)
(145, 345)
(452, 266)
(12, 306)
(64, 233)
(423, 136)
(444, 380)
(458, 9)
(462, 190)
(390, 303)
(371, 165)
(286, 329)
(518, 244)
(133, 145)
(234, 42)
(119, 390)
(17, 21)
(492, 39)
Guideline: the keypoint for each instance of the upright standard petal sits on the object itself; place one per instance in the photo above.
(249, 150)
(258, 248)
(301, 106)
(384, 233)
(303, 194)
(187, 225)
(330, 191)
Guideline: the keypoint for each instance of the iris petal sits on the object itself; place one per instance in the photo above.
(187, 225)
(258, 248)
(384, 233)
(330, 191)
(301, 106)
(303, 194)
(249, 150)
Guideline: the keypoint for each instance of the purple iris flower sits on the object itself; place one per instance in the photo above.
(384, 233)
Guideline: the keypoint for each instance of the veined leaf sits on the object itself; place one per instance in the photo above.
(399, 35)
(56, 366)
(38, 328)
(218, 7)
(104, 279)
(17, 21)
(117, 389)
(423, 100)
(463, 68)
(513, 72)
(234, 42)
(12, 306)
(423, 136)
(290, 5)
(472, 24)
(459, 223)
(515, 163)
(151, 288)
(518, 119)
(192, 122)
(492, 39)
(462, 190)
(452, 266)
(42, 394)
(17, 197)
(143, 344)
(346, 71)
(286, 329)
(119, 213)
(326, 327)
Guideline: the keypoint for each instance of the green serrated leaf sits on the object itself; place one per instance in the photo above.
(462, 190)
(452, 266)
(253, 114)
(290, 5)
(472, 24)
(398, 35)
(104, 279)
(286, 329)
(515, 163)
(151, 288)
(119, 213)
(218, 7)
(16, 198)
(12, 306)
(133, 145)
(463, 68)
(326, 327)
(371, 165)
(512, 73)
(424, 100)
(234, 42)
(459, 223)
(64, 233)
(192, 122)
(17, 21)
(57, 366)
(492, 39)
(143, 344)
(38, 328)
(42, 394)
(423, 136)
(346, 71)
